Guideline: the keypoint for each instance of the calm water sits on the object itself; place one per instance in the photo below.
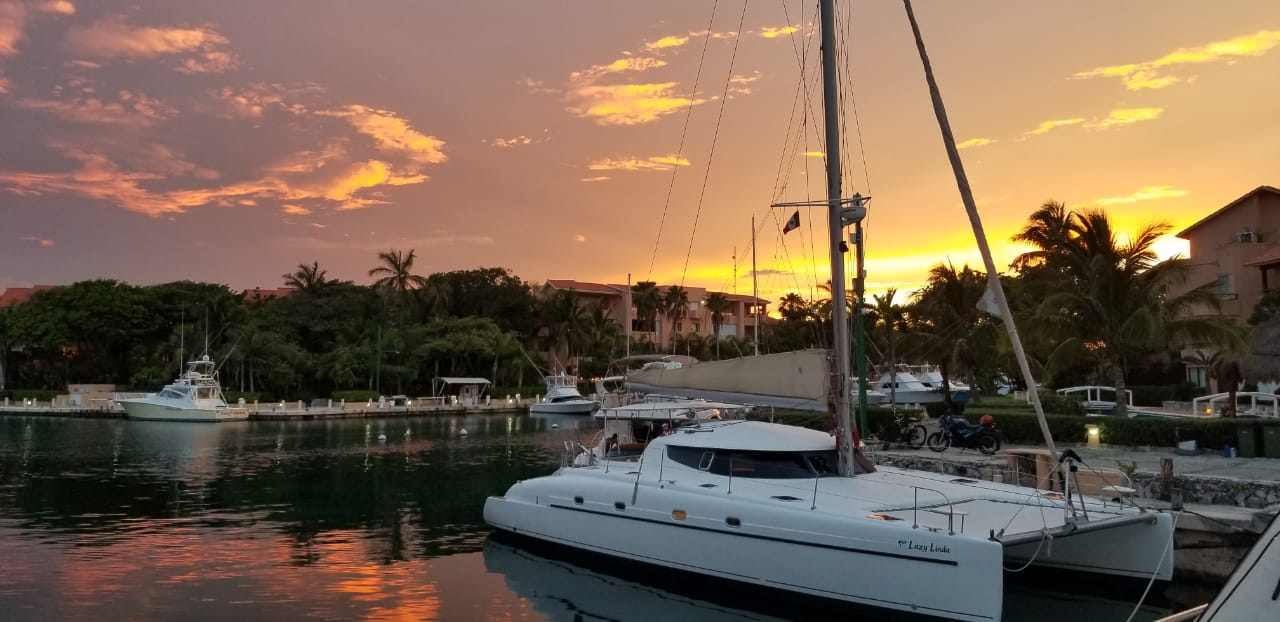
(114, 519)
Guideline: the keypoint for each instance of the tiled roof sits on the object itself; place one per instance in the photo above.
(16, 295)
(1266, 258)
(583, 287)
(695, 293)
(259, 293)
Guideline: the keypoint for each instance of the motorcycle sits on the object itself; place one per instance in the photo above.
(904, 430)
(955, 431)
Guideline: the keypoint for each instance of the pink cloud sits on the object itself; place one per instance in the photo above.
(206, 50)
(127, 108)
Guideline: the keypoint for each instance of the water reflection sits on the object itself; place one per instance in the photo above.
(331, 520)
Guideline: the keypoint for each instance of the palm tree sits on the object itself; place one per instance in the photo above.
(309, 279)
(648, 300)
(889, 317)
(396, 272)
(603, 329)
(947, 317)
(675, 305)
(1118, 298)
(565, 321)
(717, 303)
(1048, 231)
(794, 307)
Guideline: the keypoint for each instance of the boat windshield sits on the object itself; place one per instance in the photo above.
(757, 464)
(564, 398)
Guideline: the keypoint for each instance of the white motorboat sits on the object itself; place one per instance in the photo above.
(194, 396)
(761, 504)
(908, 389)
(563, 398)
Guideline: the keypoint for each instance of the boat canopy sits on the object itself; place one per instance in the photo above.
(751, 436)
(450, 380)
(663, 411)
(797, 380)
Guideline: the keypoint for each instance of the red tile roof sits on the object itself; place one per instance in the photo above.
(259, 294)
(695, 293)
(584, 287)
(1266, 258)
(17, 295)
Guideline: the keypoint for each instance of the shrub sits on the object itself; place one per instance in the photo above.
(1156, 395)
(355, 395)
(18, 395)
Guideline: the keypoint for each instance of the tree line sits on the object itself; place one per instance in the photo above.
(1101, 308)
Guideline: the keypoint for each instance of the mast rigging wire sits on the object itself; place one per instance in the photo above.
(693, 98)
(715, 136)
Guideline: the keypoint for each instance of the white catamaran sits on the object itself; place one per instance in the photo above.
(797, 511)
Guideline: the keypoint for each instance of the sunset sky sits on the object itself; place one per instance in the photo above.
(153, 140)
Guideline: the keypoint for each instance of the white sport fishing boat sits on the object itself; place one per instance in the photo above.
(563, 398)
(194, 396)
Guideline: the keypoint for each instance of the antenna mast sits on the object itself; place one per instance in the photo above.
(755, 287)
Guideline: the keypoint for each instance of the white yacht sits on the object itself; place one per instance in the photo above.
(563, 398)
(908, 390)
(194, 396)
(761, 504)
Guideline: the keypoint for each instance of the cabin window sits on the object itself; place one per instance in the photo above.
(758, 464)
(692, 457)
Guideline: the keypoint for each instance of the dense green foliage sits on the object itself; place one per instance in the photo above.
(325, 338)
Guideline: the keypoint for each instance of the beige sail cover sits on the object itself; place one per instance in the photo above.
(796, 379)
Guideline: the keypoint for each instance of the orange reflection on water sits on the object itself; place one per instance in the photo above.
(167, 568)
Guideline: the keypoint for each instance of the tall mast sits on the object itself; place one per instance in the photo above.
(835, 226)
(755, 287)
(994, 285)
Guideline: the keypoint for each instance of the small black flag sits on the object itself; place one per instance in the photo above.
(792, 223)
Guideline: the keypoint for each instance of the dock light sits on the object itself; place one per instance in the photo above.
(1208, 412)
(408, 402)
(1094, 434)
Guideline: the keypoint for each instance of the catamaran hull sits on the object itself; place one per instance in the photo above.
(865, 569)
(158, 412)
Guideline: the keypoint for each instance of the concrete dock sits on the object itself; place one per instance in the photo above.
(286, 411)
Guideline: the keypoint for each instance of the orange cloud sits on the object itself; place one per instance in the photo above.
(595, 179)
(128, 109)
(1149, 193)
(13, 18)
(1126, 116)
(205, 48)
(651, 163)
(625, 64)
(295, 210)
(60, 7)
(773, 32)
(1052, 124)
(1154, 74)
(976, 142)
(393, 134)
(629, 104)
(669, 41)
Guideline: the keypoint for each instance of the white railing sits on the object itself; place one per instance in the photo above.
(1206, 404)
(1093, 395)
